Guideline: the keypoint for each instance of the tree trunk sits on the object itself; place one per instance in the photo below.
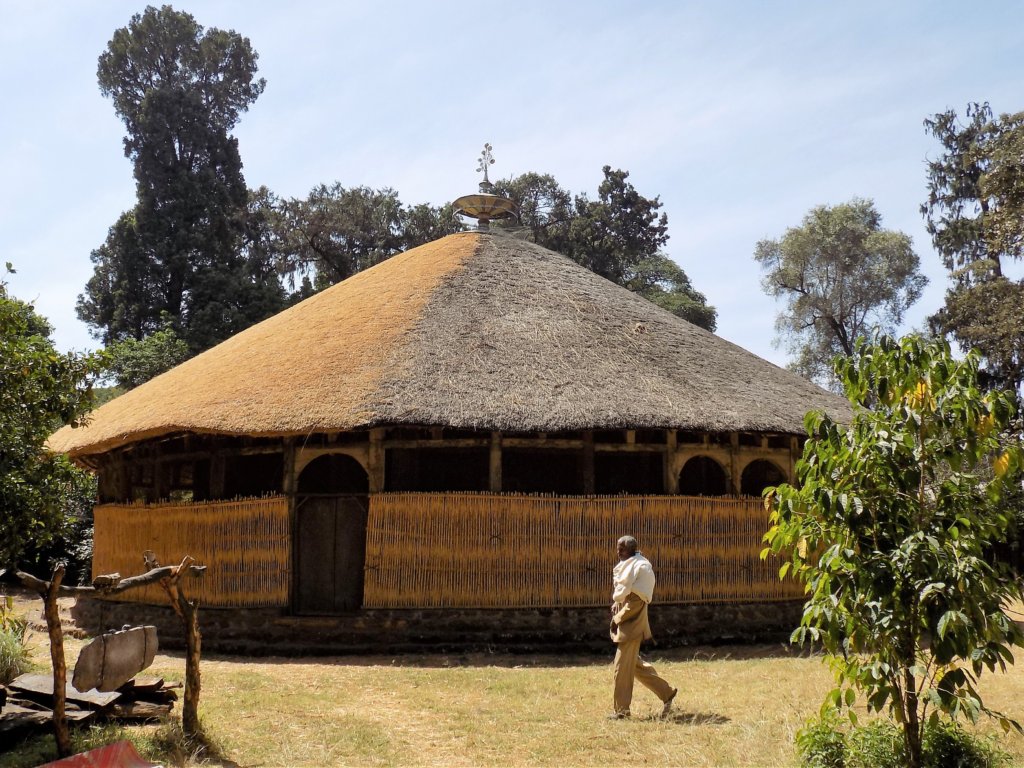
(912, 724)
(193, 685)
(60, 672)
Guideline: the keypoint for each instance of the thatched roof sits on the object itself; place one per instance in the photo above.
(476, 331)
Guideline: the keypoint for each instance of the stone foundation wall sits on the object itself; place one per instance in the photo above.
(266, 631)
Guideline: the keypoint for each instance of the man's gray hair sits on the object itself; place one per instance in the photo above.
(630, 543)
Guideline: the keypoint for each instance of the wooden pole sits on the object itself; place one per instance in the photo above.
(60, 671)
(169, 578)
(188, 612)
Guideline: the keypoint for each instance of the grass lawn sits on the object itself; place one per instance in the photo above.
(737, 706)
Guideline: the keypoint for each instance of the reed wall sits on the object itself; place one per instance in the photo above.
(445, 550)
(245, 544)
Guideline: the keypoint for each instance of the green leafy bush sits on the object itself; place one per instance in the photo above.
(947, 745)
(876, 745)
(14, 658)
(824, 742)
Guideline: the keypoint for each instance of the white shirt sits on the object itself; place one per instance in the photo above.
(633, 575)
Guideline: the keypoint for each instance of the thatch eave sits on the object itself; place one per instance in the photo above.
(472, 331)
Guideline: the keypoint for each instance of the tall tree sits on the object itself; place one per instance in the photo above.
(841, 276)
(179, 90)
(336, 232)
(40, 389)
(975, 214)
(891, 525)
(620, 235)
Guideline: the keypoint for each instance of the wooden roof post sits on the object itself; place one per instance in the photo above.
(375, 460)
(588, 462)
(669, 464)
(734, 462)
(495, 468)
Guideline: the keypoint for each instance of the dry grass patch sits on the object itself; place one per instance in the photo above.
(738, 706)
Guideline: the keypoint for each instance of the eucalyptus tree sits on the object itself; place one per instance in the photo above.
(841, 276)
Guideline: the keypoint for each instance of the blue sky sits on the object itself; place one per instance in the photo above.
(740, 116)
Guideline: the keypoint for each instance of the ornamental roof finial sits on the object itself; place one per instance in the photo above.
(486, 159)
(485, 205)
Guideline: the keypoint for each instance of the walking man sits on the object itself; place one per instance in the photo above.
(633, 579)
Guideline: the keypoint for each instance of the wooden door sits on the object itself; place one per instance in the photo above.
(331, 553)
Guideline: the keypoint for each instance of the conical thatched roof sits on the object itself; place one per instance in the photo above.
(472, 331)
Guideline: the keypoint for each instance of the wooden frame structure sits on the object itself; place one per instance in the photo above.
(339, 531)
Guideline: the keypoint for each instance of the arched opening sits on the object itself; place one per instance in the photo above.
(334, 473)
(703, 476)
(331, 510)
(758, 475)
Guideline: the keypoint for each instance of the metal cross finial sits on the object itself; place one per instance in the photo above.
(486, 159)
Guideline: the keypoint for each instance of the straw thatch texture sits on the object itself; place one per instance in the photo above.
(313, 367)
(472, 331)
(245, 545)
(491, 551)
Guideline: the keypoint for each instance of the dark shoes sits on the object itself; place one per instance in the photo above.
(667, 708)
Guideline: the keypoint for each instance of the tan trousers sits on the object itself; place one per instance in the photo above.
(629, 667)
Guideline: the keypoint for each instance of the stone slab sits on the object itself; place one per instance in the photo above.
(114, 658)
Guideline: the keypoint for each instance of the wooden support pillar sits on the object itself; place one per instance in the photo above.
(289, 482)
(495, 466)
(375, 460)
(160, 479)
(794, 455)
(218, 470)
(734, 462)
(671, 476)
(588, 463)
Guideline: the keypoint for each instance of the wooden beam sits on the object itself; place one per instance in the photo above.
(375, 460)
(669, 464)
(629, 448)
(734, 449)
(495, 463)
(589, 481)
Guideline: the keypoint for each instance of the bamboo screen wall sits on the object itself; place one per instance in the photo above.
(444, 550)
(245, 544)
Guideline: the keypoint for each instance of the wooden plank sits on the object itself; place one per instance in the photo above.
(40, 688)
(139, 685)
(140, 710)
(349, 552)
(316, 555)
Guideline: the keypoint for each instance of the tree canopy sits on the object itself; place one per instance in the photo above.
(890, 524)
(181, 251)
(841, 276)
(40, 389)
(336, 232)
(620, 236)
(975, 215)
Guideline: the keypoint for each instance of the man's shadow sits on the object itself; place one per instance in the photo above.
(692, 718)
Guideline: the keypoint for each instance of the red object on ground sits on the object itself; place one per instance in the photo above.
(120, 754)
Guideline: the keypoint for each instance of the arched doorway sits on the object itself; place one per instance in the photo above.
(703, 476)
(758, 475)
(331, 510)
